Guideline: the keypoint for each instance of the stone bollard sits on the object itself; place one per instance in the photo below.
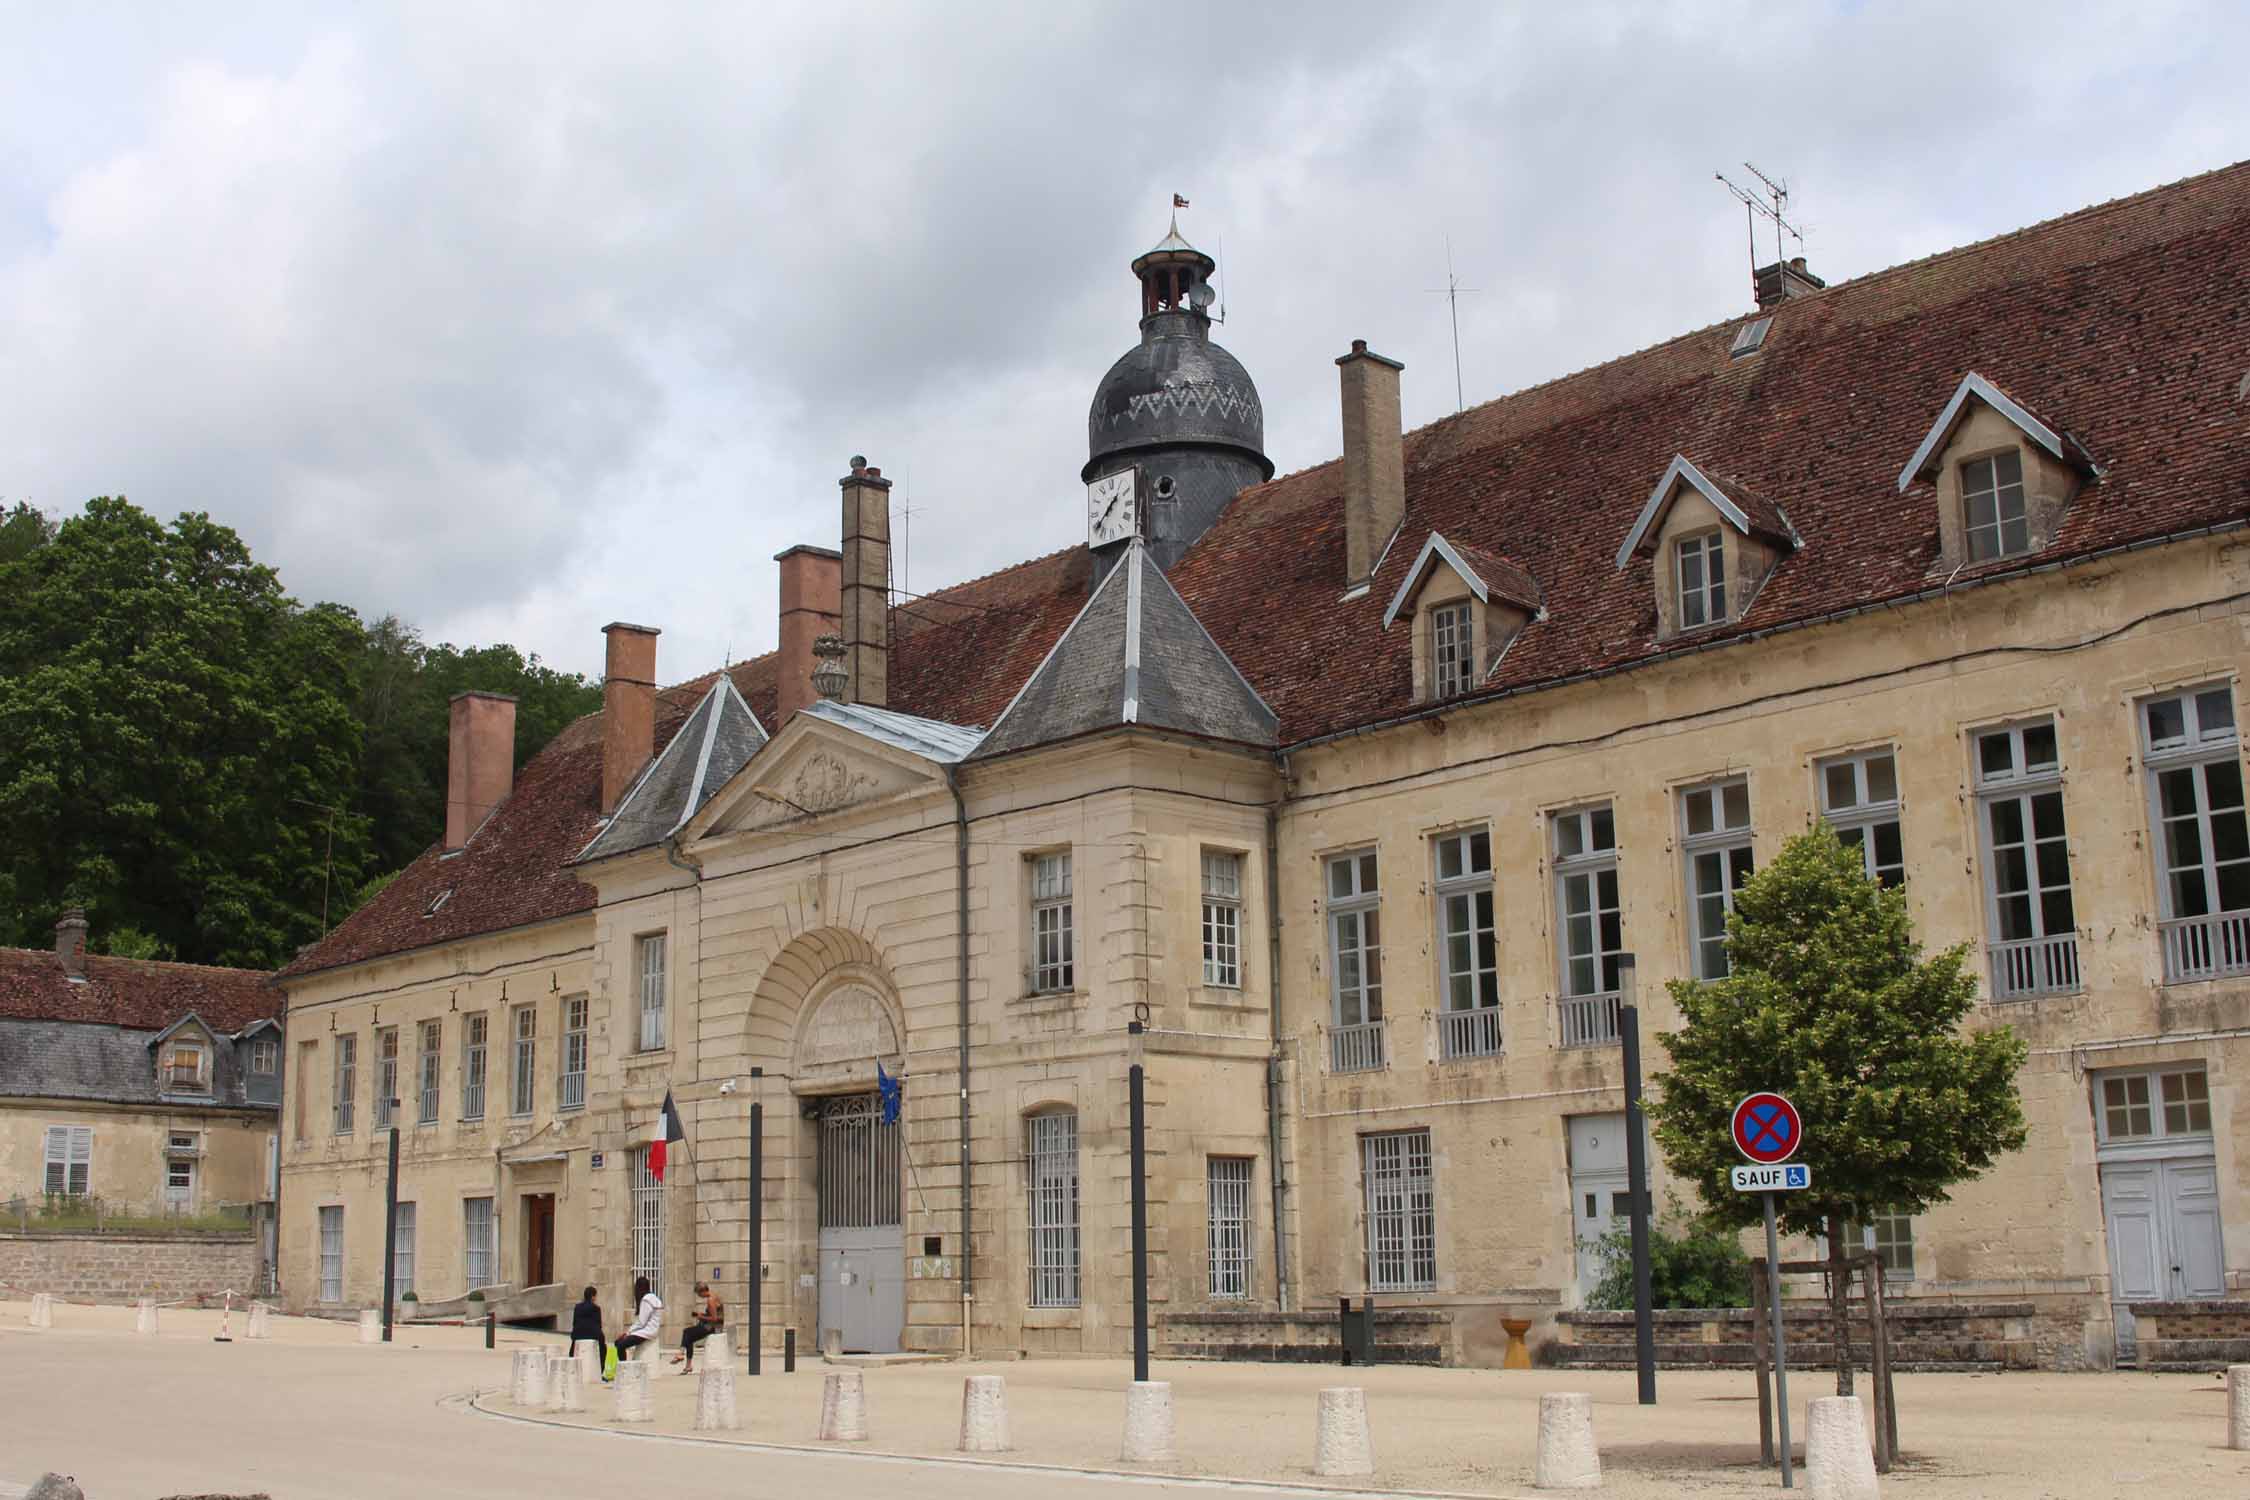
(42, 1310)
(528, 1387)
(1839, 1461)
(984, 1414)
(843, 1408)
(261, 1321)
(144, 1317)
(715, 1350)
(1568, 1459)
(715, 1410)
(589, 1359)
(1149, 1429)
(566, 1388)
(831, 1343)
(1341, 1444)
(633, 1397)
(370, 1326)
(2238, 1406)
(650, 1353)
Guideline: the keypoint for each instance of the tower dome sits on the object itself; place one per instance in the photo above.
(1177, 405)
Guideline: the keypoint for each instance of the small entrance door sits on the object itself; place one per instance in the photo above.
(538, 1239)
(2163, 1219)
(1600, 1192)
(862, 1245)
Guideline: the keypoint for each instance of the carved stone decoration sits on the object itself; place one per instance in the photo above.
(825, 782)
(850, 1026)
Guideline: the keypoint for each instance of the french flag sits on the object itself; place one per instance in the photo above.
(669, 1129)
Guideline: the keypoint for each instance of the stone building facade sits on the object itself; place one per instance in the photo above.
(1335, 806)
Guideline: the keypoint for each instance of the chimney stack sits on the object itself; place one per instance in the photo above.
(867, 584)
(1374, 460)
(1783, 280)
(812, 580)
(628, 707)
(70, 942)
(480, 761)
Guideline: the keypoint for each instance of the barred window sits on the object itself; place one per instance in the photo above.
(402, 1251)
(433, 1056)
(472, 1066)
(386, 1076)
(1222, 919)
(524, 1079)
(1052, 963)
(649, 953)
(1228, 1231)
(1452, 650)
(332, 1253)
(570, 1092)
(648, 1222)
(1401, 1211)
(477, 1242)
(346, 1085)
(1052, 1141)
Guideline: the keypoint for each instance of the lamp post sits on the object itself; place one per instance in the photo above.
(757, 1270)
(390, 1229)
(1636, 1173)
(1137, 1103)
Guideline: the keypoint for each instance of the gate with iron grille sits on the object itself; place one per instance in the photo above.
(862, 1244)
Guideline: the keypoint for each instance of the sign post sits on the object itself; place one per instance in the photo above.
(1768, 1132)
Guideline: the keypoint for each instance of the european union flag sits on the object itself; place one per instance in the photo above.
(893, 1092)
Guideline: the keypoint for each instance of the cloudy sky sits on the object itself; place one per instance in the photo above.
(513, 320)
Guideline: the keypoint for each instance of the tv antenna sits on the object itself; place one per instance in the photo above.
(1452, 291)
(907, 511)
(1773, 206)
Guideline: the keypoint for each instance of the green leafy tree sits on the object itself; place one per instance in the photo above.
(1830, 1000)
(1694, 1261)
(24, 528)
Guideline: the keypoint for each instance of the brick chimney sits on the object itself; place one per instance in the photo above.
(812, 580)
(867, 584)
(480, 761)
(628, 707)
(70, 942)
(1781, 281)
(1374, 459)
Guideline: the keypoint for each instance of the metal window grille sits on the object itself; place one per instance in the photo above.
(70, 1159)
(332, 1253)
(477, 1242)
(648, 1222)
(1053, 962)
(402, 1252)
(1859, 799)
(1715, 831)
(472, 1067)
(1401, 1211)
(1228, 1232)
(2027, 862)
(523, 1080)
(2203, 841)
(1992, 496)
(386, 1075)
(1589, 928)
(1468, 950)
(433, 1052)
(1703, 580)
(570, 1091)
(651, 969)
(1222, 919)
(1452, 650)
(1053, 1175)
(347, 1081)
(859, 1165)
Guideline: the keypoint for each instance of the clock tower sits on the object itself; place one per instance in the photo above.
(1176, 430)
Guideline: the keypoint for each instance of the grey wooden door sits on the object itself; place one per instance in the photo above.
(1600, 1192)
(2163, 1221)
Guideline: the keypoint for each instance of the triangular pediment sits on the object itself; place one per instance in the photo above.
(1749, 514)
(1975, 392)
(818, 767)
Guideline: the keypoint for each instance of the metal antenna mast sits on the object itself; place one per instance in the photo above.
(1773, 206)
(1452, 291)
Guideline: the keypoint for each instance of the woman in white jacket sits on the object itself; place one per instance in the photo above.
(648, 1320)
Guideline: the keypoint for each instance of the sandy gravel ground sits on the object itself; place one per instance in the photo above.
(314, 1413)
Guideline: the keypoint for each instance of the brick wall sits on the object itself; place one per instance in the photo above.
(2193, 1335)
(126, 1267)
(1924, 1334)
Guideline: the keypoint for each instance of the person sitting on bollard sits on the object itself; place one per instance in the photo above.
(648, 1321)
(586, 1324)
(710, 1318)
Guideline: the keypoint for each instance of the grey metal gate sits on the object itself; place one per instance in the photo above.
(862, 1244)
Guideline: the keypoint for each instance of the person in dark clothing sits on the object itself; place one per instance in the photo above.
(586, 1322)
(710, 1318)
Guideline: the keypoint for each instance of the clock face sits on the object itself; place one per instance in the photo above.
(1112, 504)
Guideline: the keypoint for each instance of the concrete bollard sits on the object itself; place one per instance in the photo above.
(1150, 1435)
(1341, 1444)
(633, 1396)
(370, 1326)
(261, 1321)
(649, 1353)
(2238, 1406)
(1839, 1460)
(715, 1410)
(843, 1408)
(831, 1343)
(528, 1383)
(715, 1350)
(144, 1318)
(1568, 1459)
(566, 1388)
(42, 1310)
(589, 1359)
(984, 1414)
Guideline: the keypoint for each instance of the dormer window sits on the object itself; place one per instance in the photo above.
(1466, 606)
(1452, 650)
(1992, 498)
(184, 1064)
(1703, 579)
(2004, 478)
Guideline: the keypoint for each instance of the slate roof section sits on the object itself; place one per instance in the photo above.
(106, 1064)
(716, 741)
(140, 994)
(946, 744)
(1136, 655)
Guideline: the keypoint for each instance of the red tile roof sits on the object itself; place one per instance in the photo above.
(1508, 581)
(2127, 324)
(132, 992)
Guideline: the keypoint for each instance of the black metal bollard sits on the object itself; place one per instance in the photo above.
(491, 1327)
(788, 1351)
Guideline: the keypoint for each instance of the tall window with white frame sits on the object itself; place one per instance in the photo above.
(386, 1076)
(1715, 834)
(1355, 964)
(523, 1078)
(432, 1071)
(70, 1161)
(2027, 862)
(570, 1091)
(1703, 580)
(1228, 1225)
(1401, 1208)
(345, 1086)
(1053, 962)
(649, 955)
(1590, 927)
(402, 1251)
(648, 1222)
(1992, 506)
(472, 1066)
(1468, 949)
(1452, 650)
(181, 1149)
(332, 1252)
(1859, 799)
(2194, 760)
(1052, 1158)
(477, 1242)
(1222, 919)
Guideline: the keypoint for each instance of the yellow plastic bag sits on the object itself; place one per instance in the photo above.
(609, 1361)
